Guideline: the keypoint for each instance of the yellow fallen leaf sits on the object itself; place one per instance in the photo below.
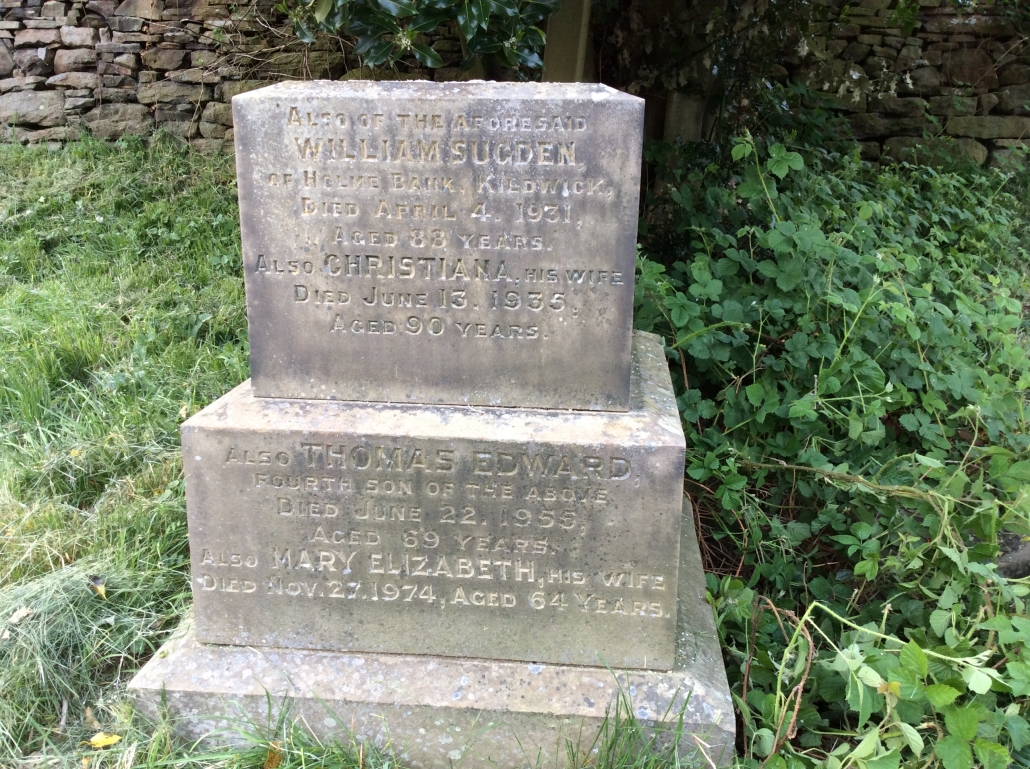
(103, 740)
(274, 757)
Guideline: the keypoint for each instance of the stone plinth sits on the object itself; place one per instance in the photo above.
(435, 711)
(535, 535)
(457, 243)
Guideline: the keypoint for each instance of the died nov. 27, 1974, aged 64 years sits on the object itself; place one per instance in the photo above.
(485, 233)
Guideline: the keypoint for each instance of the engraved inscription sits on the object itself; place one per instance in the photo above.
(494, 529)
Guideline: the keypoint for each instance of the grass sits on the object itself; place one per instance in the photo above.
(121, 314)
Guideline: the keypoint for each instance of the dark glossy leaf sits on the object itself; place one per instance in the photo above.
(425, 23)
(426, 55)
(531, 59)
(400, 9)
(504, 8)
(466, 23)
(321, 9)
(480, 12)
(378, 53)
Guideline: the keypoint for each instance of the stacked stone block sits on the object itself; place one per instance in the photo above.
(959, 78)
(127, 68)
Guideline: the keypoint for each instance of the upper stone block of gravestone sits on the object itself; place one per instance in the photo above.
(418, 242)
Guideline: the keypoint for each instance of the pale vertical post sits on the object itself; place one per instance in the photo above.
(568, 41)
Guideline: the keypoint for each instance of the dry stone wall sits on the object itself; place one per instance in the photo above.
(958, 80)
(125, 67)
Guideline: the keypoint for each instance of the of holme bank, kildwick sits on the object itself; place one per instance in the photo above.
(446, 512)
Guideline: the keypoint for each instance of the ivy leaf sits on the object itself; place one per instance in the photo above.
(991, 755)
(913, 658)
(954, 753)
(941, 695)
(962, 722)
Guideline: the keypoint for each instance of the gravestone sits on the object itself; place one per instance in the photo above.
(462, 545)
(461, 243)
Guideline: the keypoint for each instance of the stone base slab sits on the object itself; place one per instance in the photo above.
(437, 711)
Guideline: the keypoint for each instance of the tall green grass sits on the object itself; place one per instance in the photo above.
(122, 313)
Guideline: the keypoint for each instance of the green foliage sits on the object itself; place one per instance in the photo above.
(122, 312)
(385, 31)
(851, 354)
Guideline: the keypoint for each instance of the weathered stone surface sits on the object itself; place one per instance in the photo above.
(982, 26)
(128, 60)
(109, 68)
(437, 711)
(74, 60)
(212, 130)
(53, 9)
(162, 58)
(216, 112)
(535, 535)
(41, 23)
(184, 129)
(952, 106)
(872, 125)
(79, 103)
(117, 48)
(233, 88)
(6, 61)
(1015, 74)
(1015, 99)
(103, 8)
(169, 91)
(79, 37)
(30, 83)
(134, 37)
(970, 66)
(141, 9)
(111, 120)
(989, 127)
(36, 38)
(125, 24)
(894, 105)
(925, 81)
(118, 81)
(35, 62)
(37, 108)
(936, 151)
(210, 146)
(195, 75)
(524, 197)
(115, 95)
(203, 58)
(74, 80)
(57, 133)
